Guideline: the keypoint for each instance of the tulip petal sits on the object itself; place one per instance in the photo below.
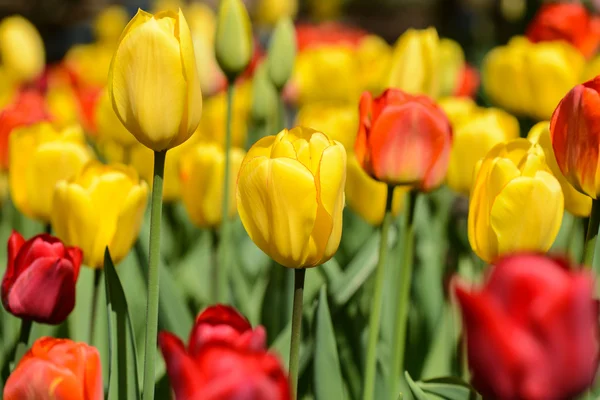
(129, 221)
(181, 368)
(262, 148)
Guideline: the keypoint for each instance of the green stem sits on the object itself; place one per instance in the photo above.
(48, 228)
(153, 282)
(404, 296)
(375, 318)
(23, 343)
(214, 272)
(281, 118)
(224, 250)
(97, 276)
(592, 235)
(299, 274)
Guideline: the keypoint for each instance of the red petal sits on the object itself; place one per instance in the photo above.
(182, 371)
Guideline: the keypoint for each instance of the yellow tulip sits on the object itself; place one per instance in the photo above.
(374, 56)
(367, 197)
(166, 5)
(531, 78)
(103, 206)
(40, 156)
(201, 174)
(325, 10)
(109, 24)
(63, 104)
(90, 62)
(21, 49)
(153, 81)
(109, 127)
(576, 202)
(268, 12)
(516, 203)
(234, 45)
(290, 196)
(472, 139)
(458, 109)
(338, 121)
(451, 62)
(414, 66)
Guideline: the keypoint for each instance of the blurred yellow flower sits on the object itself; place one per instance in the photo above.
(90, 62)
(374, 56)
(516, 203)
(451, 61)
(268, 12)
(153, 82)
(201, 171)
(63, 105)
(108, 126)
(531, 78)
(576, 202)
(21, 49)
(458, 109)
(415, 62)
(338, 121)
(290, 196)
(40, 156)
(103, 206)
(109, 24)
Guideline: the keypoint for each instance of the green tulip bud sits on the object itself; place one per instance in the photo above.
(233, 39)
(282, 52)
(264, 95)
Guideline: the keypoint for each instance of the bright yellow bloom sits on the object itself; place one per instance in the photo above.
(109, 24)
(268, 12)
(40, 156)
(153, 81)
(62, 104)
(374, 56)
(531, 78)
(201, 174)
(338, 121)
(451, 62)
(516, 203)
(90, 62)
(109, 126)
(290, 196)
(234, 45)
(576, 202)
(21, 49)
(103, 206)
(458, 109)
(367, 197)
(415, 62)
(472, 138)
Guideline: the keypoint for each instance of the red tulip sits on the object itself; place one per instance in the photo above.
(575, 135)
(39, 282)
(532, 330)
(403, 139)
(28, 108)
(330, 33)
(226, 359)
(468, 82)
(57, 369)
(569, 22)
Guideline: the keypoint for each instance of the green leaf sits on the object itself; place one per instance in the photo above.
(327, 374)
(449, 388)
(126, 372)
(416, 391)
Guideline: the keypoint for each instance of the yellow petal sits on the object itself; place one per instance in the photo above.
(129, 221)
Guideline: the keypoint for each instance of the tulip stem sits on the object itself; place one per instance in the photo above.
(23, 343)
(153, 282)
(48, 228)
(404, 295)
(97, 276)
(375, 318)
(224, 248)
(299, 274)
(592, 235)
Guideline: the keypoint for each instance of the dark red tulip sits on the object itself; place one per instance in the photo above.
(225, 360)
(532, 329)
(39, 282)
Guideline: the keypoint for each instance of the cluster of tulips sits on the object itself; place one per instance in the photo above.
(187, 110)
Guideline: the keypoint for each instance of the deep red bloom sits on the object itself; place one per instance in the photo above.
(570, 22)
(330, 33)
(468, 82)
(403, 139)
(226, 359)
(39, 282)
(28, 108)
(532, 330)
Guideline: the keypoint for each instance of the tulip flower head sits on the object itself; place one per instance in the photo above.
(575, 136)
(516, 202)
(339, 121)
(21, 49)
(290, 196)
(403, 139)
(103, 206)
(153, 80)
(532, 329)
(234, 45)
(39, 282)
(57, 369)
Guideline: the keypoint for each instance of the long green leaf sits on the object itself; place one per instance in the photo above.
(449, 388)
(327, 374)
(126, 371)
(416, 391)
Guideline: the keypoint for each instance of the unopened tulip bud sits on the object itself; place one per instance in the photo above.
(233, 41)
(282, 53)
(264, 95)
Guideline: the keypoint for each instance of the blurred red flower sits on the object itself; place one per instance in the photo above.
(468, 82)
(327, 34)
(532, 330)
(40, 278)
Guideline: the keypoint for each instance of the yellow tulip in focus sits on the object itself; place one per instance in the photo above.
(109, 126)
(451, 62)
(21, 49)
(40, 156)
(103, 206)
(290, 196)
(234, 45)
(415, 62)
(472, 139)
(576, 202)
(338, 121)
(201, 174)
(367, 197)
(531, 78)
(109, 24)
(516, 203)
(153, 81)
(268, 12)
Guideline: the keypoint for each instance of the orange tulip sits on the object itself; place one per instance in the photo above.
(403, 139)
(57, 369)
(575, 136)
